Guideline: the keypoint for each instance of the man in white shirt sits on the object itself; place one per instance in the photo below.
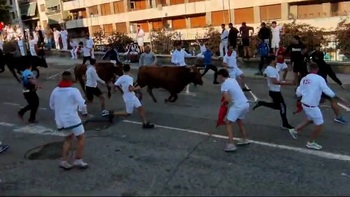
(233, 94)
(64, 37)
(91, 86)
(20, 44)
(86, 54)
(32, 45)
(148, 58)
(202, 48)
(274, 83)
(276, 36)
(66, 101)
(224, 41)
(230, 62)
(56, 36)
(179, 55)
(90, 44)
(310, 89)
(140, 38)
(125, 85)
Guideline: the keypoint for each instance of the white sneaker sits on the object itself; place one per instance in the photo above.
(80, 164)
(66, 166)
(313, 145)
(242, 142)
(230, 148)
(105, 113)
(293, 133)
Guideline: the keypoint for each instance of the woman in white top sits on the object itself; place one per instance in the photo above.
(202, 48)
(32, 45)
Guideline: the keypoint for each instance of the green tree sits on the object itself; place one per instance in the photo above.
(342, 36)
(4, 12)
(213, 38)
(163, 40)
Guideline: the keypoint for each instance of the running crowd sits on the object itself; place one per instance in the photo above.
(310, 80)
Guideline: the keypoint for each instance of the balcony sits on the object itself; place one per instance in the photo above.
(74, 4)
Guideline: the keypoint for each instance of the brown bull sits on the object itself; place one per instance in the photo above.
(173, 79)
(107, 71)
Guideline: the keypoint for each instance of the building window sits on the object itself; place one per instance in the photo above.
(13, 15)
(93, 10)
(310, 11)
(157, 25)
(118, 7)
(219, 17)
(138, 5)
(340, 8)
(175, 2)
(121, 28)
(198, 21)
(161, 2)
(105, 9)
(244, 15)
(95, 29)
(42, 8)
(108, 29)
(270, 12)
(178, 23)
(144, 26)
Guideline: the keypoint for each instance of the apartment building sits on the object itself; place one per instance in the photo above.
(189, 17)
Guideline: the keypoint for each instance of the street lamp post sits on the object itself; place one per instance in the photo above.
(19, 15)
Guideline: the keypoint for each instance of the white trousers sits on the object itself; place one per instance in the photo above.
(64, 44)
(57, 44)
(21, 49)
(223, 45)
(73, 53)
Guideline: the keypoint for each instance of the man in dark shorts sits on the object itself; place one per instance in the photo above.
(91, 86)
(297, 52)
(244, 31)
(232, 35)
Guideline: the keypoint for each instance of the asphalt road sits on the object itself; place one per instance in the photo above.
(177, 157)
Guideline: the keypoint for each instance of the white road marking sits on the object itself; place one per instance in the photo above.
(251, 93)
(55, 75)
(6, 124)
(38, 129)
(321, 154)
(19, 105)
(344, 107)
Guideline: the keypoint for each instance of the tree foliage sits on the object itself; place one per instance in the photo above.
(309, 34)
(213, 38)
(163, 40)
(117, 39)
(343, 37)
(4, 12)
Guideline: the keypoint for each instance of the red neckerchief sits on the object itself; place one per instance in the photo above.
(65, 84)
(229, 53)
(138, 30)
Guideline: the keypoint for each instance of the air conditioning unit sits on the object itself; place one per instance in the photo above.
(132, 5)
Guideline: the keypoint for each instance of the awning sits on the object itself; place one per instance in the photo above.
(52, 3)
(28, 9)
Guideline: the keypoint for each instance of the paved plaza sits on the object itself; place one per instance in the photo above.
(178, 157)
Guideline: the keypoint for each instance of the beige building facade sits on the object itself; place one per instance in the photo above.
(189, 17)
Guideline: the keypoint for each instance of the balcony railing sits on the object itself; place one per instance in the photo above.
(50, 12)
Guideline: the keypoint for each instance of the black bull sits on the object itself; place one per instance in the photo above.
(21, 63)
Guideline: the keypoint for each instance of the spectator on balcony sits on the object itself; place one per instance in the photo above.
(64, 38)
(140, 37)
(56, 36)
(244, 30)
(48, 37)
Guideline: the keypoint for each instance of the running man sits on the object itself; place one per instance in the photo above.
(310, 90)
(230, 62)
(237, 111)
(281, 63)
(91, 86)
(112, 55)
(30, 86)
(147, 58)
(125, 85)
(207, 54)
(274, 83)
(64, 101)
(86, 54)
